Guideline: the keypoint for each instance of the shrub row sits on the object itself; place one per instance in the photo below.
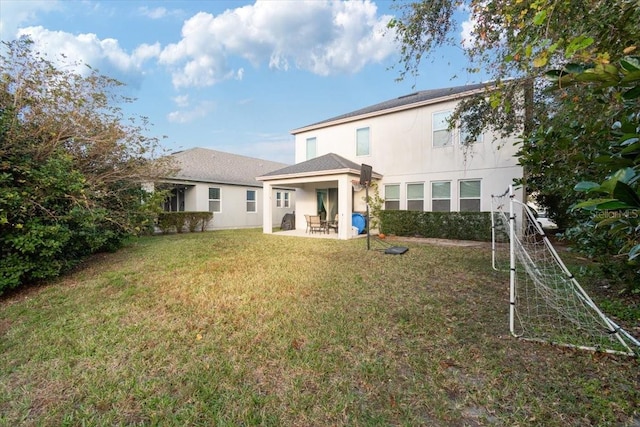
(443, 225)
(181, 221)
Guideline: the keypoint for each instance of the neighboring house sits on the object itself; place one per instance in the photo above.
(225, 184)
(418, 162)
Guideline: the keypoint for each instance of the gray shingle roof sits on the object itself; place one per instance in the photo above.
(326, 163)
(204, 165)
(405, 100)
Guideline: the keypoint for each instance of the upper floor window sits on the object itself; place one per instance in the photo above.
(441, 132)
(392, 197)
(214, 199)
(415, 197)
(470, 195)
(311, 148)
(465, 137)
(251, 201)
(362, 142)
(441, 196)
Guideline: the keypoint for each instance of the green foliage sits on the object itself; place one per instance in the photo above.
(614, 203)
(376, 205)
(71, 171)
(179, 221)
(565, 75)
(45, 227)
(443, 225)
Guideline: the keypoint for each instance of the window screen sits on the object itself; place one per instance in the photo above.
(470, 196)
(415, 197)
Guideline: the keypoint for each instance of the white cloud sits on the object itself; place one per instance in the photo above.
(14, 13)
(89, 49)
(156, 13)
(181, 100)
(320, 36)
(186, 114)
(323, 37)
(467, 35)
(159, 12)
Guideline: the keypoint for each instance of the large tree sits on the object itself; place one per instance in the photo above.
(559, 70)
(71, 167)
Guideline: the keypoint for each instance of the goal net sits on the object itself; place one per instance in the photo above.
(546, 301)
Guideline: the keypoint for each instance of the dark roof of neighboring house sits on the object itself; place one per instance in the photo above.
(424, 96)
(328, 162)
(204, 165)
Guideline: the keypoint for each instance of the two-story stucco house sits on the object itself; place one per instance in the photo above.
(418, 163)
(225, 184)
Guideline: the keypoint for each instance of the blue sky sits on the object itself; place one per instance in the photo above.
(234, 76)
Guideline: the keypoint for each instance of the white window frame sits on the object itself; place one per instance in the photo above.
(440, 125)
(311, 148)
(251, 202)
(278, 199)
(387, 198)
(218, 200)
(365, 143)
(415, 199)
(286, 199)
(433, 198)
(478, 198)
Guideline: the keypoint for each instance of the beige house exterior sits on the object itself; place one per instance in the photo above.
(418, 163)
(225, 184)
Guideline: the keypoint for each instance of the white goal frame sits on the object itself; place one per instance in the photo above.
(621, 341)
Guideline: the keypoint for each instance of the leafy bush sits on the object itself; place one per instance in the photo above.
(71, 170)
(178, 221)
(443, 225)
(44, 229)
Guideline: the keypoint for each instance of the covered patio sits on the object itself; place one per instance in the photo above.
(324, 186)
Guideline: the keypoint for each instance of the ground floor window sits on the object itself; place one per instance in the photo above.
(392, 197)
(441, 196)
(415, 197)
(282, 199)
(214, 199)
(470, 196)
(175, 200)
(251, 201)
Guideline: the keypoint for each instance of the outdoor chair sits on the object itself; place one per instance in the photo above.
(333, 224)
(307, 217)
(315, 224)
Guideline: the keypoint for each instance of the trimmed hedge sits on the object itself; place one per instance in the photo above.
(181, 221)
(441, 225)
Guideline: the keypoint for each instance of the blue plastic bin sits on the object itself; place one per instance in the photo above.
(358, 221)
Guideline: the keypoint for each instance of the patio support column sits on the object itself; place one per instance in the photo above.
(345, 207)
(267, 208)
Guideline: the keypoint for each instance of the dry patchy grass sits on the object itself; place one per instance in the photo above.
(241, 328)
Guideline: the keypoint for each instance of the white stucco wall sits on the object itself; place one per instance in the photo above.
(401, 150)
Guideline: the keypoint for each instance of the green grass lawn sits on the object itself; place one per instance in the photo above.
(235, 328)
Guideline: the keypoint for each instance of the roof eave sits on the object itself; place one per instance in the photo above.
(350, 171)
(194, 181)
(388, 111)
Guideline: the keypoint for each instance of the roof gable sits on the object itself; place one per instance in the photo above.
(205, 165)
(328, 164)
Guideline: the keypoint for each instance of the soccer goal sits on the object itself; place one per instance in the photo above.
(547, 303)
